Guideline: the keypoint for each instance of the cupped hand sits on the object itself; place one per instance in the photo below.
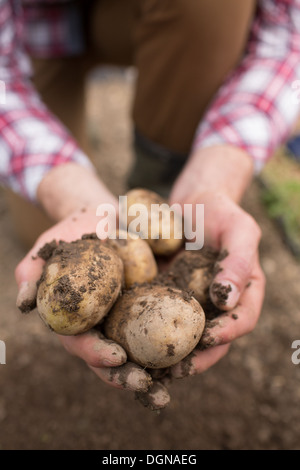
(228, 228)
(105, 358)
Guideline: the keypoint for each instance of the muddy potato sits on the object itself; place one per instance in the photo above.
(165, 231)
(80, 283)
(156, 325)
(194, 271)
(138, 259)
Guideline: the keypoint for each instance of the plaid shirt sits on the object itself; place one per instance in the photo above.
(255, 109)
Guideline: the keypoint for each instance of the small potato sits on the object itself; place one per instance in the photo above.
(194, 271)
(160, 226)
(138, 259)
(157, 326)
(80, 283)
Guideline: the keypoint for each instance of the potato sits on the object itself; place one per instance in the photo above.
(156, 325)
(165, 232)
(138, 259)
(80, 283)
(194, 271)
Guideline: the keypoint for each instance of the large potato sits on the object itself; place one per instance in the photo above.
(138, 259)
(80, 283)
(156, 325)
(164, 231)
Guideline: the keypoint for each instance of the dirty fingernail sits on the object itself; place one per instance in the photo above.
(138, 380)
(113, 355)
(156, 398)
(111, 363)
(26, 298)
(224, 294)
(131, 377)
(208, 340)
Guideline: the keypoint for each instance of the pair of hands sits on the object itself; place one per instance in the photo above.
(227, 227)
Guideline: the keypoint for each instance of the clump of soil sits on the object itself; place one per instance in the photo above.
(69, 298)
(27, 305)
(47, 250)
(221, 292)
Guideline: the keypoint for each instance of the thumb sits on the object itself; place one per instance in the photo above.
(240, 242)
(27, 275)
(228, 285)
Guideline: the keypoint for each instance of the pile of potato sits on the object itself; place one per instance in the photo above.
(157, 317)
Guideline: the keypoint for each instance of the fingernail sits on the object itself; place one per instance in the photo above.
(108, 363)
(156, 398)
(138, 380)
(113, 354)
(224, 294)
(131, 377)
(208, 341)
(26, 298)
(118, 355)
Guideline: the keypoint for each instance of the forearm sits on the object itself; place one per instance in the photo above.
(218, 169)
(255, 109)
(70, 188)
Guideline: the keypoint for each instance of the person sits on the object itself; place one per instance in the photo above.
(213, 100)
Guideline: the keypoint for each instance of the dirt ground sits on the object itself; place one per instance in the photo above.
(249, 400)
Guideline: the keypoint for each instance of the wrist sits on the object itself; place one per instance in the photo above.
(70, 188)
(219, 169)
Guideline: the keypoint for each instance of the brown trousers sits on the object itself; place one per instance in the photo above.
(182, 50)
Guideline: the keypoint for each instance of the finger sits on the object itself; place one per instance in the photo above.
(29, 270)
(242, 319)
(199, 361)
(27, 274)
(127, 377)
(156, 398)
(240, 238)
(94, 349)
(26, 298)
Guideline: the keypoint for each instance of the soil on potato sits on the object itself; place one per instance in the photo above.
(248, 400)
(62, 253)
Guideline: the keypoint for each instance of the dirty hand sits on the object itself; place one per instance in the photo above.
(218, 177)
(60, 194)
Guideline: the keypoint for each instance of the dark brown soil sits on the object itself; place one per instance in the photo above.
(249, 400)
(47, 250)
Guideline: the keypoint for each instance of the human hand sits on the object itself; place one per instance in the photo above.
(227, 227)
(105, 358)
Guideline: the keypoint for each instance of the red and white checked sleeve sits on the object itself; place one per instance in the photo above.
(32, 140)
(257, 106)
